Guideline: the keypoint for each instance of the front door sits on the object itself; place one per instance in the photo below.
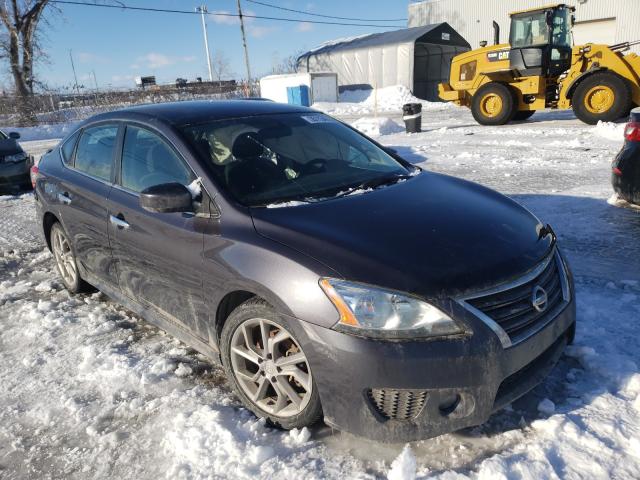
(158, 256)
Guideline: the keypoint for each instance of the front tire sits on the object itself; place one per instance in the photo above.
(494, 104)
(65, 260)
(267, 367)
(603, 96)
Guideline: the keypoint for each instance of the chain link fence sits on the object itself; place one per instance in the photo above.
(54, 107)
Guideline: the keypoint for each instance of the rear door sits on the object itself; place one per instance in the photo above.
(158, 255)
(82, 195)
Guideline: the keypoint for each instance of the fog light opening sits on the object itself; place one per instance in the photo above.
(449, 405)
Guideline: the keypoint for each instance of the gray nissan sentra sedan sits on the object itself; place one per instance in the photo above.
(331, 278)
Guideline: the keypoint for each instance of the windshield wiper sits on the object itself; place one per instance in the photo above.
(374, 183)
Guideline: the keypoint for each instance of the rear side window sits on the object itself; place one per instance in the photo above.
(67, 148)
(94, 154)
(147, 160)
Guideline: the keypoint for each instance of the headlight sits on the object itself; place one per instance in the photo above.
(16, 157)
(380, 313)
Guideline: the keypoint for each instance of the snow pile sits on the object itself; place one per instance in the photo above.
(375, 127)
(609, 130)
(387, 99)
(403, 467)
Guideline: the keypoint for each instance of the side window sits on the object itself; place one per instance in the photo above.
(94, 155)
(67, 148)
(147, 161)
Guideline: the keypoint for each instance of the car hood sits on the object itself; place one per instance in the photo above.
(432, 235)
(9, 147)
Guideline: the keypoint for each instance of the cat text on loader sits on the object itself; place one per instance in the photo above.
(539, 68)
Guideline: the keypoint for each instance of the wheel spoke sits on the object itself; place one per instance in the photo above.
(251, 377)
(273, 341)
(248, 341)
(299, 375)
(284, 386)
(264, 334)
(261, 390)
(281, 399)
(247, 354)
(291, 360)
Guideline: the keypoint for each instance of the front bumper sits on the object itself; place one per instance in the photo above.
(437, 386)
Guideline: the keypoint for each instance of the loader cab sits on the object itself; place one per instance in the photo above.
(541, 41)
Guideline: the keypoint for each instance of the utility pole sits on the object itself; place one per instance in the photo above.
(93, 72)
(203, 11)
(244, 44)
(75, 77)
(94, 79)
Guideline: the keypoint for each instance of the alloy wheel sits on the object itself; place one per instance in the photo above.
(270, 367)
(64, 256)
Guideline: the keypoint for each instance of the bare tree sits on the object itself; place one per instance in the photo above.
(221, 65)
(19, 43)
(285, 65)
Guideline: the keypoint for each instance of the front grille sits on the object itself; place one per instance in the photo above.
(512, 307)
(397, 404)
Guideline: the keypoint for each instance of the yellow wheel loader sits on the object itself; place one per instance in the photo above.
(539, 68)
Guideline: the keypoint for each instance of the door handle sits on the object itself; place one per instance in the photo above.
(64, 198)
(119, 222)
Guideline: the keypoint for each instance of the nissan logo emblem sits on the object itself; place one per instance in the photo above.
(539, 298)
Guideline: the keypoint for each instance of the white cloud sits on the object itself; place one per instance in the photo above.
(86, 57)
(227, 17)
(122, 79)
(155, 60)
(304, 27)
(159, 60)
(257, 31)
(224, 17)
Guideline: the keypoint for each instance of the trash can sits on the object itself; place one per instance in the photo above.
(412, 116)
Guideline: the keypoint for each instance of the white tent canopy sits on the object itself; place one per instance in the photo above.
(418, 58)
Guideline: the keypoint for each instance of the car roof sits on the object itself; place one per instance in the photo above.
(195, 112)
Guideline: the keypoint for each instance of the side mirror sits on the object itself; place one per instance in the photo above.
(14, 135)
(166, 198)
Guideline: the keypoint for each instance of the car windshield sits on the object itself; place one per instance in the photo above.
(3, 136)
(270, 159)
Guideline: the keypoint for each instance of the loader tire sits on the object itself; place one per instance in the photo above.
(494, 104)
(523, 114)
(603, 96)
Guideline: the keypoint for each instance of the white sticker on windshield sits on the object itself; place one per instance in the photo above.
(318, 118)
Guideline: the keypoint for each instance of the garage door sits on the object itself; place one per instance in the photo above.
(597, 31)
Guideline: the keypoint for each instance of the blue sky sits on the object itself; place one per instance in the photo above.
(119, 45)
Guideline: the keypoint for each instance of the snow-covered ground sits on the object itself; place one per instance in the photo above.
(91, 391)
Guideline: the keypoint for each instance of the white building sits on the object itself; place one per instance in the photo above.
(597, 21)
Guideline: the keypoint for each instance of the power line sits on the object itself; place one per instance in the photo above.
(219, 14)
(329, 16)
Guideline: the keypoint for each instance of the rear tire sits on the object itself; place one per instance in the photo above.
(65, 260)
(603, 96)
(523, 115)
(494, 104)
(267, 380)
